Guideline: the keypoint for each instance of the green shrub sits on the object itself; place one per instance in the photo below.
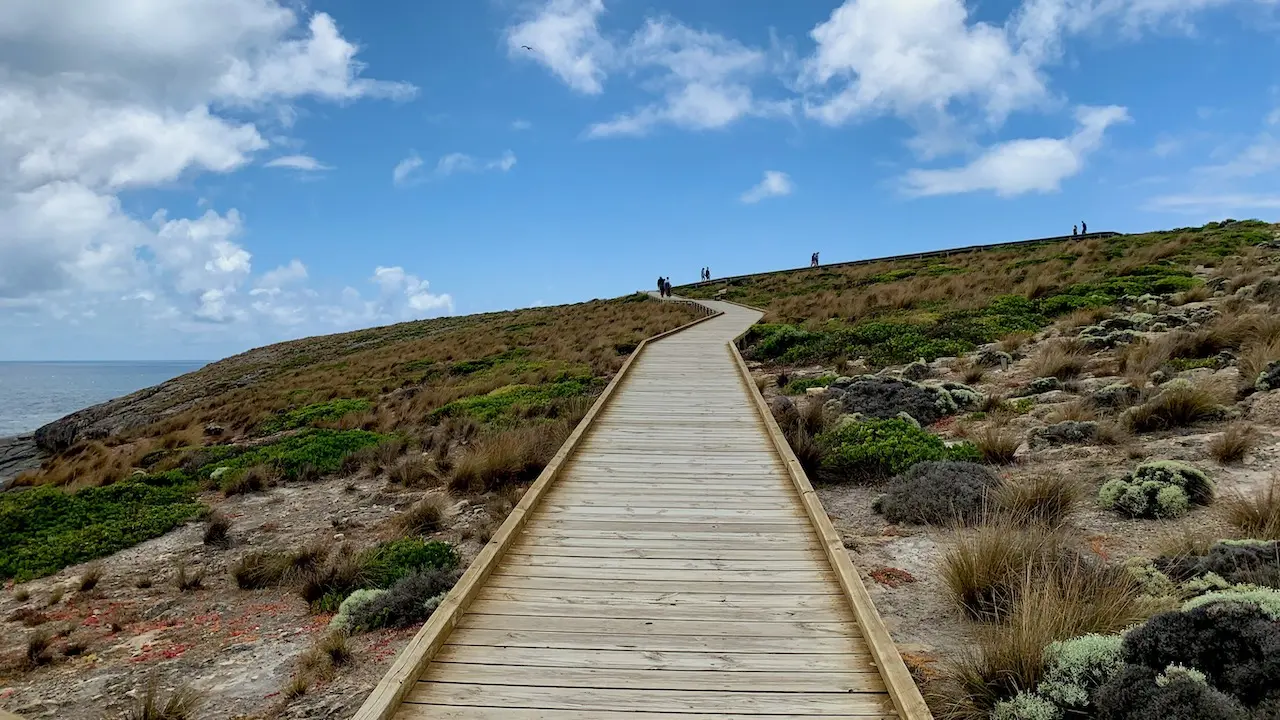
(315, 414)
(296, 456)
(517, 400)
(387, 563)
(877, 449)
(1159, 489)
(800, 385)
(410, 600)
(938, 493)
(342, 620)
(45, 529)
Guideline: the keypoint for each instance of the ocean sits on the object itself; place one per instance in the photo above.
(35, 393)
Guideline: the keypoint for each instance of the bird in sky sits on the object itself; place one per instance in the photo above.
(526, 47)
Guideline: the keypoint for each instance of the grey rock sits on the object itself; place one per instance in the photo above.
(1043, 385)
(17, 455)
(214, 430)
(917, 370)
(992, 358)
(1116, 395)
(884, 398)
(1064, 433)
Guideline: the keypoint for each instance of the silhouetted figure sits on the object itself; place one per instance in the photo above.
(708, 273)
(660, 286)
(813, 260)
(1084, 228)
(666, 287)
(1073, 231)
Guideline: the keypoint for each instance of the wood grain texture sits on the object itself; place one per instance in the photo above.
(668, 566)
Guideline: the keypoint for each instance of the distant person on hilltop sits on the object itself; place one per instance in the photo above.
(813, 260)
(708, 273)
(666, 287)
(660, 293)
(1084, 228)
(1073, 231)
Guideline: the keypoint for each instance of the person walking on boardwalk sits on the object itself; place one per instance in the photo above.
(708, 273)
(659, 285)
(666, 287)
(1073, 231)
(1084, 228)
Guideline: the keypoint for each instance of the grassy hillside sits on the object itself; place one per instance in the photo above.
(896, 312)
(1055, 465)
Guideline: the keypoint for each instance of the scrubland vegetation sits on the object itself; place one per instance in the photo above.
(429, 431)
(1072, 450)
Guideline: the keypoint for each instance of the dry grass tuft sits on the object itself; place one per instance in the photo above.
(1075, 598)
(983, 569)
(1014, 341)
(1047, 499)
(1079, 410)
(507, 457)
(90, 578)
(39, 648)
(1255, 357)
(1062, 358)
(425, 516)
(1233, 444)
(1257, 517)
(1176, 406)
(186, 579)
(217, 530)
(180, 705)
(997, 444)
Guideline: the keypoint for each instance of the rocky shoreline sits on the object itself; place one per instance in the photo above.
(18, 454)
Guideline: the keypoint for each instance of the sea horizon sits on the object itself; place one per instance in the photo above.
(34, 393)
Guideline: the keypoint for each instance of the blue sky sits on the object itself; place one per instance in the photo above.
(186, 180)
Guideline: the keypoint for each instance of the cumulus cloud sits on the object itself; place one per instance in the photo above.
(305, 163)
(704, 80)
(405, 169)
(1215, 203)
(564, 36)
(98, 98)
(398, 286)
(774, 184)
(1022, 166)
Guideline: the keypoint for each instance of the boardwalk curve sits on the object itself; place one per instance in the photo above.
(672, 563)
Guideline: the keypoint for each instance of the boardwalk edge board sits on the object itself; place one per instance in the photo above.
(902, 688)
(396, 684)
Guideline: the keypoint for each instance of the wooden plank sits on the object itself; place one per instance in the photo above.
(682, 514)
(726, 601)
(816, 645)
(659, 539)
(805, 561)
(670, 701)
(623, 571)
(552, 551)
(676, 526)
(516, 582)
(382, 703)
(632, 660)
(868, 681)
(705, 612)
(906, 696)
(661, 626)
(415, 711)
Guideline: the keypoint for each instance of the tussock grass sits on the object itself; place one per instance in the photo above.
(1047, 499)
(983, 569)
(217, 530)
(39, 649)
(1064, 359)
(1176, 406)
(508, 457)
(1257, 517)
(1013, 342)
(90, 578)
(996, 444)
(1079, 410)
(1233, 444)
(181, 704)
(425, 516)
(1072, 599)
(187, 579)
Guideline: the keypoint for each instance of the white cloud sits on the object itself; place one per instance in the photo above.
(704, 79)
(564, 35)
(1224, 202)
(1260, 157)
(915, 59)
(462, 163)
(521, 124)
(298, 162)
(274, 281)
(398, 287)
(97, 99)
(405, 168)
(774, 184)
(1022, 166)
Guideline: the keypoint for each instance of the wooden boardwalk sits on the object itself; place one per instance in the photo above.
(668, 568)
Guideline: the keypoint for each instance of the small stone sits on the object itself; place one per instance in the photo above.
(917, 370)
(993, 358)
(214, 430)
(815, 392)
